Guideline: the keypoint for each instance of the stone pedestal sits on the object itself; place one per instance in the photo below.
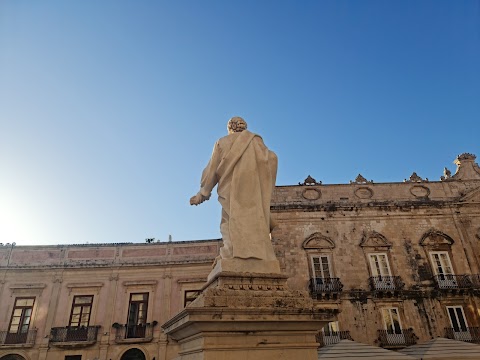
(242, 316)
(256, 266)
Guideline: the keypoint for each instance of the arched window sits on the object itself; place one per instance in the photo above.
(12, 357)
(132, 354)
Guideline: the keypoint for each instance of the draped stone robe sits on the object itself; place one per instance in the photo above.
(245, 171)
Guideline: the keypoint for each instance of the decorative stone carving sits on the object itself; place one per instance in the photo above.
(309, 181)
(467, 168)
(466, 156)
(447, 174)
(361, 180)
(364, 193)
(311, 194)
(415, 178)
(317, 241)
(435, 238)
(374, 239)
(420, 191)
(231, 290)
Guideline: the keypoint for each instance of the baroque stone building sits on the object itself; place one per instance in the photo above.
(397, 263)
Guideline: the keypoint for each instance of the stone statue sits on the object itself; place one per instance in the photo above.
(245, 171)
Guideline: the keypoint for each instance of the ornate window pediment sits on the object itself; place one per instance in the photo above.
(435, 238)
(376, 240)
(317, 241)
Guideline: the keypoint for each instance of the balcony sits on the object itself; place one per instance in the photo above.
(390, 340)
(475, 280)
(25, 339)
(325, 287)
(386, 283)
(452, 282)
(74, 336)
(134, 333)
(332, 337)
(471, 335)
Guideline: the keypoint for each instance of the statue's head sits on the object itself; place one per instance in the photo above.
(236, 124)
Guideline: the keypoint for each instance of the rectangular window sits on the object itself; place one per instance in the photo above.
(391, 320)
(330, 334)
(330, 328)
(137, 315)
(321, 267)
(393, 327)
(21, 315)
(190, 296)
(379, 265)
(20, 321)
(442, 269)
(441, 263)
(81, 310)
(73, 357)
(457, 318)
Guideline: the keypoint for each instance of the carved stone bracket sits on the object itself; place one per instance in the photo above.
(309, 181)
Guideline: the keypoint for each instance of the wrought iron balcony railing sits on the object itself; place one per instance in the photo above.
(325, 285)
(82, 334)
(391, 340)
(332, 337)
(452, 282)
(25, 338)
(475, 279)
(471, 334)
(386, 283)
(134, 333)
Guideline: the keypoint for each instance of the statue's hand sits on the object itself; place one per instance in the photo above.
(197, 199)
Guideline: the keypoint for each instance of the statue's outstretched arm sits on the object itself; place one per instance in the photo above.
(209, 178)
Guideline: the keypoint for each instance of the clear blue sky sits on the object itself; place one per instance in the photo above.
(109, 109)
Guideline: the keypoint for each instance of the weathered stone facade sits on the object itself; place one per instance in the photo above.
(405, 223)
(412, 247)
